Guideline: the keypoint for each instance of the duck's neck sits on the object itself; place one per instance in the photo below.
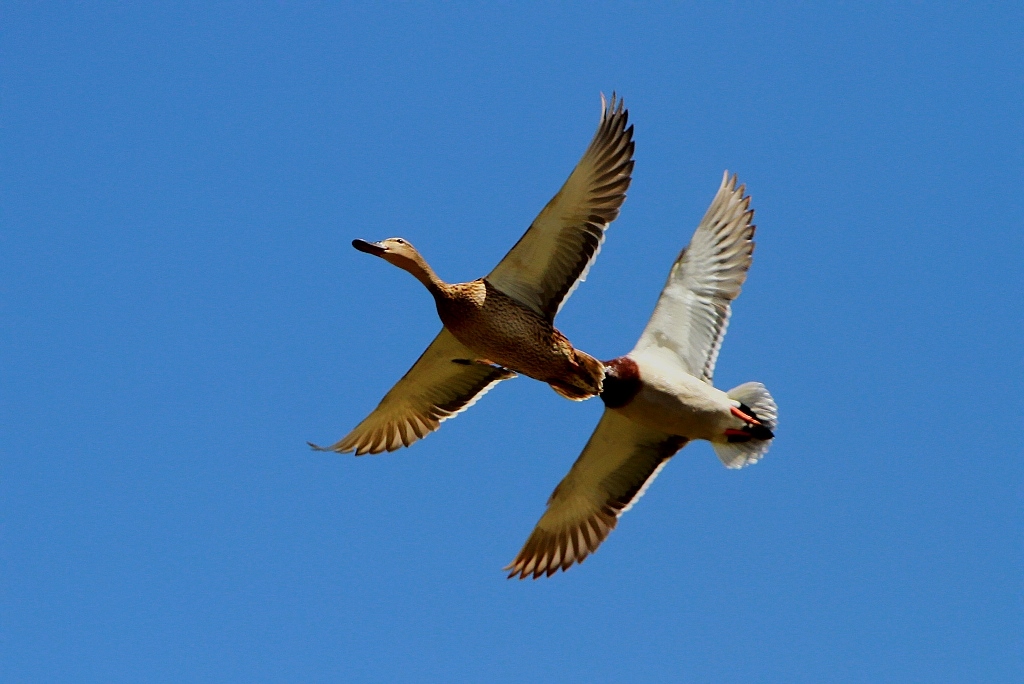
(421, 270)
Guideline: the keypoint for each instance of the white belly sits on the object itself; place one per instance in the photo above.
(675, 402)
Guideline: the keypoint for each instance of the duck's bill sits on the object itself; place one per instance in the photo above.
(374, 248)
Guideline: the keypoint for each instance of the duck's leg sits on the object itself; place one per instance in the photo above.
(754, 428)
(746, 416)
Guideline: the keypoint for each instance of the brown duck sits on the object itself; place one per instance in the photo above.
(503, 324)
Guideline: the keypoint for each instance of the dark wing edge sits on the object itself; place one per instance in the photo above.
(692, 314)
(577, 522)
(555, 254)
(443, 382)
(731, 233)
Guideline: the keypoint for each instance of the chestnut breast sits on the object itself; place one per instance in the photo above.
(621, 382)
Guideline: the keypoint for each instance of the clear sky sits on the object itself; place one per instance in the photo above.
(181, 309)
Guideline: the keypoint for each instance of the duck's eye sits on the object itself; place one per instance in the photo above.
(400, 241)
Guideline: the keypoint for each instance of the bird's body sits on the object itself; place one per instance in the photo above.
(660, 396)
(503, 324)
(502, 331)
(668, 399)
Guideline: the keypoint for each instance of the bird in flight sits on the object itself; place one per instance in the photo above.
(503, 324)
(660, 396)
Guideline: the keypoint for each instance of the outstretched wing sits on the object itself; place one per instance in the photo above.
(555, 253)
(444, 381)
(692, 314)
(617, 465)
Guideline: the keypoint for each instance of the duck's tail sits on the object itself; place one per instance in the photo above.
(589, 378)
(756, 402)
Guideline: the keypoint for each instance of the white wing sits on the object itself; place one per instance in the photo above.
(619, 462)
(443, 382)
(555, 253)
(692, 314)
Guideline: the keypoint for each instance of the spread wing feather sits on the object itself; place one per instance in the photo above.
(618, 464)
(443, 382)
(555, 253)
(692, 314)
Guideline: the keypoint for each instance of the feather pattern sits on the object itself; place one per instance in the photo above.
(556, 252)
(617, 465)
(660, 395)
(692, 314)
(446, 380)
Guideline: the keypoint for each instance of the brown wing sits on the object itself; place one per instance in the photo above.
(555, 253)
(444, 381)
(617, 465)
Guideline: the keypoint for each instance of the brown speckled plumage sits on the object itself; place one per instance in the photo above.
(508, 334)
(503, 324)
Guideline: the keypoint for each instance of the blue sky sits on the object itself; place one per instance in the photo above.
(181, 310)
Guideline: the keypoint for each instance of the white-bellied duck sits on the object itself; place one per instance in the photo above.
(660, 396)
(503, 324)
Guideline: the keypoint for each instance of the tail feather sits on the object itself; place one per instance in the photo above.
(757, 403)
(589, 378)
(569, 391)
(594, 370)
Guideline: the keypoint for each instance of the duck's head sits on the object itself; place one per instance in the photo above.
(403, 255)
(393, 250)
